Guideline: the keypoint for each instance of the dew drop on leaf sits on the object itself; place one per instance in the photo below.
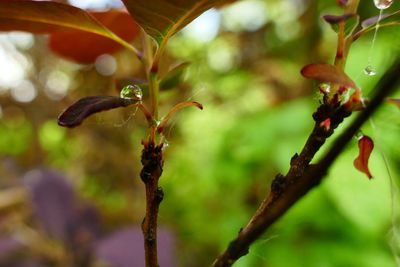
(370, 70)
(131, 92)
(383, 4)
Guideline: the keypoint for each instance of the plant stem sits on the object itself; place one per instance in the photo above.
(352, 6)
(154, 88)
(344, 43)
(151, 75)
(152, 161)
(269, 209)
(287, 190)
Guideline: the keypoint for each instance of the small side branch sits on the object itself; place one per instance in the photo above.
(152, 161)
(302, 176)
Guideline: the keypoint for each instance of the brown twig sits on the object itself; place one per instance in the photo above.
(287, 190)
(152, 161)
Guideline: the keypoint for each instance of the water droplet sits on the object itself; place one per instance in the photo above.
(324, 87)
(131, 92)
(383, 4)
(359, 135)
(165, 144)
(370, 70)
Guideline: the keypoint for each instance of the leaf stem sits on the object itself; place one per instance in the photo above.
(154, 88)
(344, 44)
(152, 76)
(352, 6)
(147, 114)
(177, 107)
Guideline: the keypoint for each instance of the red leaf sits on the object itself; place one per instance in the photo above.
(50, 17)
(85, 47)
(365, 146)
(327, 73)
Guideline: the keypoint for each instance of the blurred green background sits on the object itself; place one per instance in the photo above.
(244, 68)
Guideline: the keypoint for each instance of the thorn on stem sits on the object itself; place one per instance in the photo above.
(293, 159)
(159, 196)
(278, 185)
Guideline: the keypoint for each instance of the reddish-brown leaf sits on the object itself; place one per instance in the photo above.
(83, 108)
(365, 146)
(85, 47)
(327, 73)
(161, 19)
(49, 17)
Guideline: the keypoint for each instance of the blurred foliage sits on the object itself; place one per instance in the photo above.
(219, 162)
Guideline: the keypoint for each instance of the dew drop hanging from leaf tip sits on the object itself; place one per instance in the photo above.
(131, 92)
(383, 4)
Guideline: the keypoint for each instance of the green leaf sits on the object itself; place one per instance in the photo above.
(372, 23)
(161, 19)
(173, 77)
(49, 17)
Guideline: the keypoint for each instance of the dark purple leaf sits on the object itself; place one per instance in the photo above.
(56, 208)
(371, 24)
(83, 108)
(374, 20)
(124, 248)
(332, 19)
(53, 201)
(351, 22)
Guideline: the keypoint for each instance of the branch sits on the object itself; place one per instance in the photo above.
(287, 190)
(152, 162)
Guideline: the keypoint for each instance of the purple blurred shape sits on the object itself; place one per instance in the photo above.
(8, 246)
(53, 201)
(124, 248)
(79, 226)
(27, 264)
(85, 226)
